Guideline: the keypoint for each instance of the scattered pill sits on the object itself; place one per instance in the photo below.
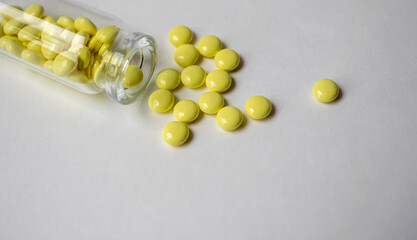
(193, 76)
(229, 118)
(133, 76)
(186, 55)
(161, 100)
(180, 35)
(325, 90)
(258, 107)
(211, 102)
(186, 111)
(208, 46)
(175, 133)
(227, 59)
(32, 56)
(218, 81)
(65, 63)
(168, 79)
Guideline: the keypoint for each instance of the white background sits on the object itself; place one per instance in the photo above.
(75, 166)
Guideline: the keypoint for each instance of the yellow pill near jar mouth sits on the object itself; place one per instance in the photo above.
(193, 76)
(86, 25)
(33, 57)
(64, 63)
(133, 76)
(218, 81)
(33, 13)
(211, 102)
(208, 46)
(325, 90)
(176, 133)
(107, 34)
(180, 35)
(161, 100)
(168, 79)
(227, 59)
(186, 111)
(258, 107)
(229, 118)
(186, 55)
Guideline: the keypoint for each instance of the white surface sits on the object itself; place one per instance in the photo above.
(74, 166)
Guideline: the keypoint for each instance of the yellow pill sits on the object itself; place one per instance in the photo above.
(107, 34)
(51, 50)
(77, 76)
(227, 59)
(133, 76)
(186, 111)
(258, 107)
(28, 34)
(208, 46)
(180, 35)
(186, 55)
(35, 45)
(48, 65)
(83, 54)
(193, 76)
(175, 133)
(10, 11)
(325, 90)
(211, 102)
(218, 81)
(81, 38)
(161, 100)
(49, 19)
(13, 27)
(12, 45)
(33, 13)
(33, 57)
(168, 79)
(86, 25)
(65, 63)
(229, 118)
(105, 48)
(65, 22)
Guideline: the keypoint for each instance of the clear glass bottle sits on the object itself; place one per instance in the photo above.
(74, 53)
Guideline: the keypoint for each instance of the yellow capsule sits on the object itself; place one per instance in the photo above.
(186, 111)
(33, 57)
(107, 34)
(193, 76)
(208, 46)
(227, 59)
(229, 118)
(258, 107)
(211, 102)
(83, 56)
(161, 100)
(12, 45)
(86, 25)
(35, 45)
(33, 13)
(51, 50)
(48, 65)
(218, 81)
(28, 34)
(133, 76)
(168, 79)
(65, 63)
(186, 55)
(81, 38)
(66, 22)
(325, 90)
(180, 35)
(175, 133)
(77, 76)
(11, 11)
(13, 27)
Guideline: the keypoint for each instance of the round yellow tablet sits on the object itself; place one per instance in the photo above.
(211, 102)
(180, 35)
(218, 81)
(133, 76)
(208, 46)
(258, 107)
(175, 133)
(227, 59)
(186, 111)
(229, 118)
(325, 90)
(161, 100)
(193, 76)
(168, 79)
(186, 55)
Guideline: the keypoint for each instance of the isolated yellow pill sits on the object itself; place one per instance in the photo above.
(175, 133)
(211, 102)
(33, 13)
(186, 111)
(227, 59)
(218, 81)
(168, 79)
(133, 76)
(229, 118)
(33, 57)
(193, 76)
(186, 55)
(180, 35)
(325, 90)
(64, 63)
(161, 100)
(208, 46)
(258, 107)
(86, 25)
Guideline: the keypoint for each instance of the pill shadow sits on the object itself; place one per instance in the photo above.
(338, 98)
(240, 66)
(189, 140)
(199, 118)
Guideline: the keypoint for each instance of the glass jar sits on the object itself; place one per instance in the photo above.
(79, 46)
